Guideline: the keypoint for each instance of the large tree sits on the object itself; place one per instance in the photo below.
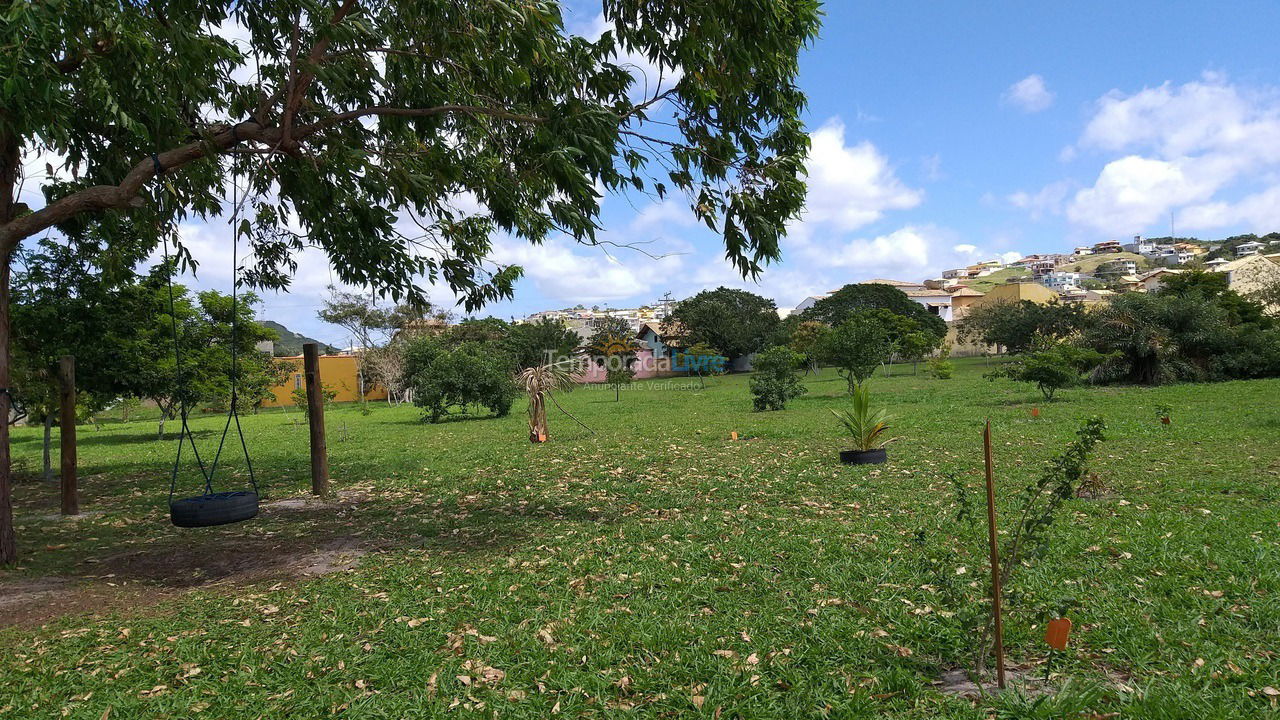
(854, 298)
(735, 322)
(349, 121)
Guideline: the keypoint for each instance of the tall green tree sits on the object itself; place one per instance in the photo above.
(344, 117)
(862, 297)
(735, 322)
(857, 347)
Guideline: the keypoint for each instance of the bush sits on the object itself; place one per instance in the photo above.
(1051, 369)
(469, 374)
(776, 380)
(940, 366)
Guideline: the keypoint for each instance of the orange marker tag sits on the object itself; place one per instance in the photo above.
(1035, 412)
(1055, 634)
(733, 435)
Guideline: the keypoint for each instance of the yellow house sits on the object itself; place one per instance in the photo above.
(1015, 291)
(339, 373)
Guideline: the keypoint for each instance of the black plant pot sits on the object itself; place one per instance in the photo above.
(863, 457)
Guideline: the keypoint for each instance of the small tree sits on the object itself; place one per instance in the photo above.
(1052, 369)
(940, 365)
(807, 340)
(538, 383)
(776, 380)
(617, 377)
(857, 347)
(701, 360)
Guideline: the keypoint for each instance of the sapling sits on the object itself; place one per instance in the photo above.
(1036, 508)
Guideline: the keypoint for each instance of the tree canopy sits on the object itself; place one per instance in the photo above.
(735, 322)
(860, 297)
(396, 137)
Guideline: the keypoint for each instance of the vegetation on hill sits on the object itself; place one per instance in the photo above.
(290, 343)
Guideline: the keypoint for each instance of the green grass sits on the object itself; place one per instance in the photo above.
(659, 569)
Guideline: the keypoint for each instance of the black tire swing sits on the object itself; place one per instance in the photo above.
(212, 507)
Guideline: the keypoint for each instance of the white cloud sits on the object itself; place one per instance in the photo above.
(1029, 94)
(1185, 146)
(1046, 201)
(851, 186)
(559, 271)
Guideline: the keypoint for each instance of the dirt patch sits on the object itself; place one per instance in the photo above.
(960, 682)
(135, 580)
(25, 603)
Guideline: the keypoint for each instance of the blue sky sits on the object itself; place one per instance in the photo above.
(947, 132)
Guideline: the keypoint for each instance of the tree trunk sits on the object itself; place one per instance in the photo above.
(67, 433)
(8, 543)
(48, 442)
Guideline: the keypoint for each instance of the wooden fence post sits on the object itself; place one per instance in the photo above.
(67, 432)
(997, 610)
(315, 420)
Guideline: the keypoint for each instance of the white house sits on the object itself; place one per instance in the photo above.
(1248, 248)
(1060, 280)
(1118, 267)
(937, 302)
(1141, 245)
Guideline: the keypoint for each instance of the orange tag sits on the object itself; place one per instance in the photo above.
(1055, 634)
(733, 435)
(1035, 412)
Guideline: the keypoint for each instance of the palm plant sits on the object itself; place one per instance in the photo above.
(865, 425)
(539, 382)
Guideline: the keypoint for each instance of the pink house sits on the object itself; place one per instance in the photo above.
(594, 371)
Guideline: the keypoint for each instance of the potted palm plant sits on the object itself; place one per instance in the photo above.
(867, 427)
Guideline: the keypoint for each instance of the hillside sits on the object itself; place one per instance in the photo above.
(1089, 263)
(290, 343)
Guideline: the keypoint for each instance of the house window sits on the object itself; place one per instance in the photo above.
(297, 381)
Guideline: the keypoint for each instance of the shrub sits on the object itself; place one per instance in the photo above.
(940, 366)
(1056, 367)
(776, 380)
(469, 374)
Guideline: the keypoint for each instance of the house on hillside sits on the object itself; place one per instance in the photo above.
(1107, 246)
(1061, 281)
(1141, 245)
(1152, 280)
(1117, 268)
(1245, 249)
(1017, 291)
(1251, 274)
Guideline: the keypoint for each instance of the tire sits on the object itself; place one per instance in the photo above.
(863, 457)
(217, 509)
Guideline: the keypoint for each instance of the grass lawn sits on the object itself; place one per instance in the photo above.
(656, 568)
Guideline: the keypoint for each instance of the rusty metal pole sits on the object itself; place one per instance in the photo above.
(995, 556)
(67, 433)
(315, 420)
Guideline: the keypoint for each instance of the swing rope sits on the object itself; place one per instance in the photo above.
(208, 472)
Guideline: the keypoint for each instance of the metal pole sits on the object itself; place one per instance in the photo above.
(315, 420)
(67, 433)
(995, 556)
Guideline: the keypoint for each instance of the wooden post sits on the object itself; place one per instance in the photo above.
(67, 433)
(315, 420)
(995, 557)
